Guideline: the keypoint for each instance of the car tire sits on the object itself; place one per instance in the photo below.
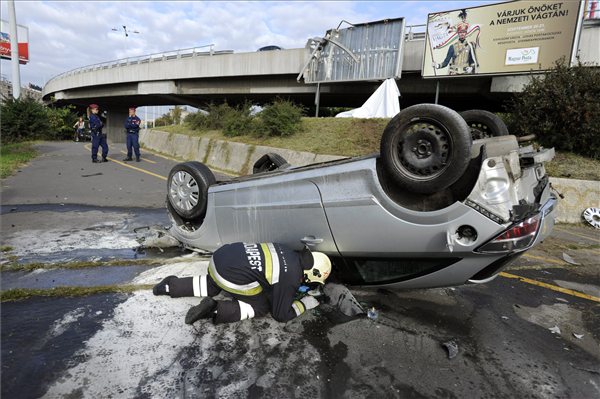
(187, 189)
(426, 148)
(269, 162)
(484, 124)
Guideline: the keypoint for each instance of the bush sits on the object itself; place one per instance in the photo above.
(239, 121)
(281, 118)
(61, 122)
(26, 119)
(214, 120)
(561, 109)
(197, 121)
(23, 119)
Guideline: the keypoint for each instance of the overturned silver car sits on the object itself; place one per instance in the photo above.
(434, 208)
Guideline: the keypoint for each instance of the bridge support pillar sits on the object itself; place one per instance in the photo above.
(115, 124)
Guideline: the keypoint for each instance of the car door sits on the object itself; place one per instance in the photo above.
(273, 209)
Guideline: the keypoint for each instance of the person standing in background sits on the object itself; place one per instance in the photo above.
(132, 129)
(98, 138)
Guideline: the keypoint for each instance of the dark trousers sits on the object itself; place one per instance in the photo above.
(99, 140)
(241, 307)
(133, 142)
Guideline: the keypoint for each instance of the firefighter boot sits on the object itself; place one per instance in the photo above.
(205, 310)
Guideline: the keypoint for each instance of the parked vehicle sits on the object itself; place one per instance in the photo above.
(434, 208)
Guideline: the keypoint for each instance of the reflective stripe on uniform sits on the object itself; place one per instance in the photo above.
(196, 285)
(203, 286)
(298, 307)
(271, 263)
(275, 258)
(246, 311)
(246, 289)
(268, 262)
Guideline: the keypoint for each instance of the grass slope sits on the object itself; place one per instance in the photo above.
(354, 137)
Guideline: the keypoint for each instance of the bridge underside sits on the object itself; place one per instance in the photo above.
(459, 94)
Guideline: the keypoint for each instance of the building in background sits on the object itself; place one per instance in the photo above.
(31, 90)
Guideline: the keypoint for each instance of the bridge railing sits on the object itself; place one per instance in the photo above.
(144, 59)
(412, 32)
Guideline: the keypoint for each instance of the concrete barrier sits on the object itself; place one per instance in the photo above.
(578, 196)
(227, 156)
(238, 158)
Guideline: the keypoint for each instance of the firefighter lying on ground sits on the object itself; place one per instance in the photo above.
(260, 277)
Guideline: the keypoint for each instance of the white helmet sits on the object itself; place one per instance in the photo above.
(320, 270)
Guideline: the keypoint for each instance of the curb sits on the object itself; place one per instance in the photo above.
(238, 158)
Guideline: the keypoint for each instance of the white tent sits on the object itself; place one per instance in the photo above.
(383, 103)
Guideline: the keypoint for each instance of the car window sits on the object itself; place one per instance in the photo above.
(377, 271)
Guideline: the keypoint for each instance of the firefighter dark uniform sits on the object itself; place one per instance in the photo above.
(98, 138)
(132, 129)
(261, 278)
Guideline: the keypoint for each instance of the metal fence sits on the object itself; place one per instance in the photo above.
(368, 51)
(145, 59)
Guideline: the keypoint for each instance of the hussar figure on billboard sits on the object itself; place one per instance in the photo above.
(461, 57)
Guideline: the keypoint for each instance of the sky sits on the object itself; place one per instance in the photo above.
(64, 35)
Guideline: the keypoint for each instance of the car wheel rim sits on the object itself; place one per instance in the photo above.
(424, 151)
(184, 191)
(479, 131)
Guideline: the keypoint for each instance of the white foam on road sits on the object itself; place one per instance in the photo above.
(45, 242)
(62, 325)
(146, 348)
(145, 334)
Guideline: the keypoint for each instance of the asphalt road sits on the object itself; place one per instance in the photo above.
(532, 332)
(64, 174)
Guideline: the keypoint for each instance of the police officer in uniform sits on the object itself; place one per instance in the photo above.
(132, 129)
(98, 138)
(261, 278)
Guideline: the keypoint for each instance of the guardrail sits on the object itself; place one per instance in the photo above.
(412, 32)
(144, 59)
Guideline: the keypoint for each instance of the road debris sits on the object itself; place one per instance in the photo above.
(578, 336)
(372, 314)
(452, 348)
(340, 297)
(555, 330)
(569, 259)
(155, 237)
(592, 216)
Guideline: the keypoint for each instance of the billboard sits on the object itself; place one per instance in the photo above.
(22, 39)
(367, 51)
(505, 38)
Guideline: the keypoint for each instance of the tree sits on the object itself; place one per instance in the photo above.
(164, 120)
(176, 114)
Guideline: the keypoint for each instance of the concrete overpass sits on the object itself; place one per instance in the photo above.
(188, 77)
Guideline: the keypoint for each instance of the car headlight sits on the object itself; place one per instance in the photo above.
(518, 237)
